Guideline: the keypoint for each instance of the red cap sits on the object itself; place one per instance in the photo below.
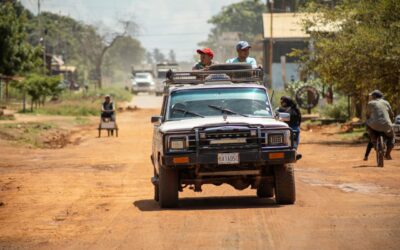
(206, 51)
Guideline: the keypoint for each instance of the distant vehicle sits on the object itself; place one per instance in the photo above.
(161, 73)
(218, 126)
(396, 128)
(143, 82)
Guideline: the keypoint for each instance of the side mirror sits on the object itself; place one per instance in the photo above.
(156, 119)
(285, 117)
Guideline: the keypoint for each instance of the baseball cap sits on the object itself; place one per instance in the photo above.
(376, 93)
(242, 45)
(206, 51)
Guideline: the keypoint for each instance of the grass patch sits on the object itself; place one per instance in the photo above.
(7, 118)
(32, 133)
(71, 108)
(118, 94)
(81, 104)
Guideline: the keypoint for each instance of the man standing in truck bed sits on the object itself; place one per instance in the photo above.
(243, 51)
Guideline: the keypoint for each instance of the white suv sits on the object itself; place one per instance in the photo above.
(143, 82)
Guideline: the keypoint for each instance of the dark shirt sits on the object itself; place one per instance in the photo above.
(199, 66)
(108, 106)
(295, 115)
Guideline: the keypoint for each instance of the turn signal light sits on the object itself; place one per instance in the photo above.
(274, 156)
(180, 160)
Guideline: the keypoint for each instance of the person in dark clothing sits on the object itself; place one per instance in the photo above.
(290, 107)
(370, 145)
(107, 109)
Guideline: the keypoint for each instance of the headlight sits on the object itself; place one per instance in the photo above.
(177, 142)
(278, 138)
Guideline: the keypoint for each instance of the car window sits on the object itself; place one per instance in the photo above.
(252, 102)
(162, 74)
(142, 76)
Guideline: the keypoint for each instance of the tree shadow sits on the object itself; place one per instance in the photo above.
(210, 203)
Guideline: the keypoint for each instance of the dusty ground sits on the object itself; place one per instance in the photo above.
(98, 195)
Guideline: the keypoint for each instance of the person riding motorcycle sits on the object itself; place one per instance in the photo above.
(379, 120)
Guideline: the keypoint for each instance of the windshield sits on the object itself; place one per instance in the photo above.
(162, 74)
(251, 102)
(142, 76)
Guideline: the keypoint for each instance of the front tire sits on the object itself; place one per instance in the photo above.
(265, 190)
(168, 187)
(285, 191)
(156, 188)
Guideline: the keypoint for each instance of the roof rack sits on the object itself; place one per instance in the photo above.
(201, 77)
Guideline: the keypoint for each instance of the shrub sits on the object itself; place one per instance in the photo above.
(338, 110)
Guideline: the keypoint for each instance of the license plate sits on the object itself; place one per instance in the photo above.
(228, 158)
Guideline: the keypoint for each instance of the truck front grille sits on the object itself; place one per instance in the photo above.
(228, 140)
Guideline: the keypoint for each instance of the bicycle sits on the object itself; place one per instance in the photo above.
(380, 148)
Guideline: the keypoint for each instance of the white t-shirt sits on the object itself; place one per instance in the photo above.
(249, 60)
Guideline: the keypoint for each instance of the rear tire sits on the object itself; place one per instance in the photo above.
(168, 187)
(380, 151)
(285, 191)
(265, 190)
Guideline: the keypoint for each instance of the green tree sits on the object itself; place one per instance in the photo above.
(82, 45)
(244, 17)
(125, 53)
(38, 87)
(158, 56)
(361, 51)
(16, 55)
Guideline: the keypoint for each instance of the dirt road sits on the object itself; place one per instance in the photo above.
(98, 195)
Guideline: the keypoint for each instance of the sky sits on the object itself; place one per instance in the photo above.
(164, 24)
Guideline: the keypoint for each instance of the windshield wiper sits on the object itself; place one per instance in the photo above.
(226, 110)
(188, 112)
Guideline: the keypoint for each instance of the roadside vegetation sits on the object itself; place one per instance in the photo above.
(82, 103)
(34, 134)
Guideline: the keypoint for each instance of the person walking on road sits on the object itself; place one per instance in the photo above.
(206, 56)
(243, 51)
(379, 120)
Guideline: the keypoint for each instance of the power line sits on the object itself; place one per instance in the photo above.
(172, 34)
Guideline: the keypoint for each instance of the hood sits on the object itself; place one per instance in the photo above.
(189, 124)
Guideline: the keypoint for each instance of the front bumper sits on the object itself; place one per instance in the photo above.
(270, 157)
(150, 88)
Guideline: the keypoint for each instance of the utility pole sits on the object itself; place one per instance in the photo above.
(271, 2)
(41, 39)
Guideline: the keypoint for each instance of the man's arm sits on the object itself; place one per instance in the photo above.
(369, 106)
(253, 63)
(391, 113)
(112, 107)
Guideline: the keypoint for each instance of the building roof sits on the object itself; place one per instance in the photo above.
(67, 68)
(289, 25)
